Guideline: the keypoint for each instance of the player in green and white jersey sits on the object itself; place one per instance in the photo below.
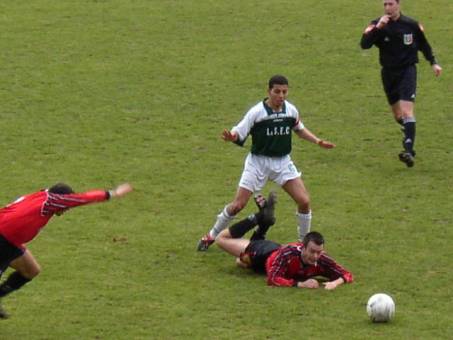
(270, 123)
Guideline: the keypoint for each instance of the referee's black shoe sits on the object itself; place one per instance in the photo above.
(407, 158)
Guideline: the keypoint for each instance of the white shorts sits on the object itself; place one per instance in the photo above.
(259, 169)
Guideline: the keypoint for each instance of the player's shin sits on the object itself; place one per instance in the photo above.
(14, 282)
(223, 219)
(240, 228)
(409, 134)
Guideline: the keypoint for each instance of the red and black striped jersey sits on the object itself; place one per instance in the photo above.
(21, 220)
(284, 267)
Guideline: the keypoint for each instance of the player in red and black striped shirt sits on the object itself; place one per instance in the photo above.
(290, 265)
(21, 221)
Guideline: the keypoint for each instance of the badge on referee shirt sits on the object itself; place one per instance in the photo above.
(408, 39)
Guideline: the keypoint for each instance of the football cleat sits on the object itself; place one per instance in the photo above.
(407, 158)
(205, 242)
(260, 201)
(266, 215)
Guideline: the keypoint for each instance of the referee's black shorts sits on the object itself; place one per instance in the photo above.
(8, 253)
(257, 253)
(399, 83)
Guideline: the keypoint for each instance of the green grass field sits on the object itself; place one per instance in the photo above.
(95, 93)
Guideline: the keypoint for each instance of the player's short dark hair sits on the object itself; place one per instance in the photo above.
(61, 188)
(315, 237)
(277, 80)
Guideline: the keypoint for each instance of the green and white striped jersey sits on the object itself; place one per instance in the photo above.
(271, 131)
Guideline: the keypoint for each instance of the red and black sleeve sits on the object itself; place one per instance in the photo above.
(58, 202)
(279, 267)
(333, 270)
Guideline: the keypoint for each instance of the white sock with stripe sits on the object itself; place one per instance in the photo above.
(304, 224)
(223, 220)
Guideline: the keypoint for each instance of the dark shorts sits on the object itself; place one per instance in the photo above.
(257, 253)
(400, 84)
(8, 253)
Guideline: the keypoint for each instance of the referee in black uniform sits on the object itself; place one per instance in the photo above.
(399, 38)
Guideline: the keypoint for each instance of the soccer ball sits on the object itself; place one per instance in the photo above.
(380, 308)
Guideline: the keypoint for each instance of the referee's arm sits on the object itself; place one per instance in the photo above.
(369, 36)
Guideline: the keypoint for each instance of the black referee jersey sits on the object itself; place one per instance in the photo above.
(398, 42)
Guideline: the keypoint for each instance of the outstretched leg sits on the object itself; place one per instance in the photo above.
(231, 239)
(225, 217)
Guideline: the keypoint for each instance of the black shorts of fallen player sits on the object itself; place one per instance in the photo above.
(256, 254)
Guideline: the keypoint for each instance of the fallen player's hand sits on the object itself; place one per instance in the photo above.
(330, 285)
(310, 283)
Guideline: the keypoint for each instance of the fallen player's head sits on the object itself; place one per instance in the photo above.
(313, 247)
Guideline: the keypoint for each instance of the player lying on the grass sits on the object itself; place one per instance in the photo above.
(21, 221)
(289, 265)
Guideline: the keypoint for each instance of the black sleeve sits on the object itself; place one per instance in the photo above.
(370, 36)
(424, 46)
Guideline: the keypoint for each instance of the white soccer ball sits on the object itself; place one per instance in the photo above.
(380, 308)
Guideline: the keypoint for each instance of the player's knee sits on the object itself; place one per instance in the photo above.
(408, 115)
(33, 271)
(223, 235)
(303, 204)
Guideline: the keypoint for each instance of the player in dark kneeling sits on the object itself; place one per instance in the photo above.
(291, 265)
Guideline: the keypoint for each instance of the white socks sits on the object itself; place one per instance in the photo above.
(223, 219)
(303, 223)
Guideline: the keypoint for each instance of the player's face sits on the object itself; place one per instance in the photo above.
(312, 252)
(391, 7)
(277, 95)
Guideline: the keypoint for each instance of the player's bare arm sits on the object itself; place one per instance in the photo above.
(229, 136)
(309, 136)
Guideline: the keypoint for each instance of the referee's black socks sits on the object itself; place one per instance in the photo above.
(409, 134)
